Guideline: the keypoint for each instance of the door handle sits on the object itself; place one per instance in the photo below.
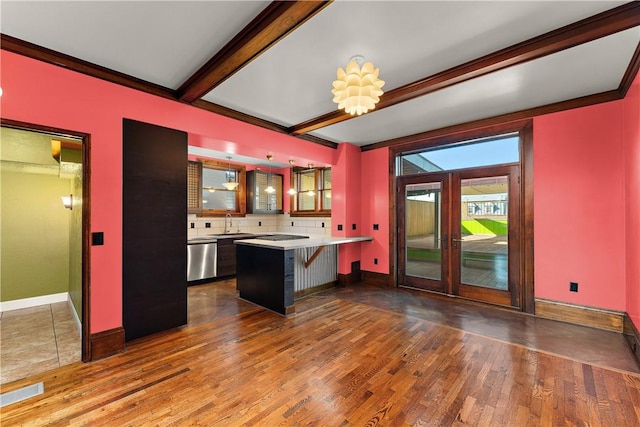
(454, 241)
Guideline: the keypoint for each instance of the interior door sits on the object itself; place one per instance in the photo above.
(458, 233)
(423, 240)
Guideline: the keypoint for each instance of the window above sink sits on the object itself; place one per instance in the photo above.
(206, 194)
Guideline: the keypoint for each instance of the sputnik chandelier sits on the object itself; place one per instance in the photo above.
(357, 90)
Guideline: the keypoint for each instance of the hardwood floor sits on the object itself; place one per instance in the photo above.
(349, 356)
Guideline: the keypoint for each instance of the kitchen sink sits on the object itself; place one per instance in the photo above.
(220, 236)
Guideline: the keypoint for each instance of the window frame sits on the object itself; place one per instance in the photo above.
(318, 189)
(241, 196)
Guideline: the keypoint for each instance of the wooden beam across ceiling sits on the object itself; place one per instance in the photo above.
(601, 25)
(234, 114)
(30, 50)
(274, 23)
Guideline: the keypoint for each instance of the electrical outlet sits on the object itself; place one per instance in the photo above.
(193, 225)
(339, 227)
(375, 261)
(207, 225)
(292, 223)
(573, 286)
(259, 223)
(353, 226)
(376, 227)
(323, 225)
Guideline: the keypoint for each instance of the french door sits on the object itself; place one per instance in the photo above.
(458, 233)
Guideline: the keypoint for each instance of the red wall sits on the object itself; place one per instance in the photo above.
(374, 202)
(631, 134)
(43, 94)
(586, 223)
(345, 203)
(579, 206)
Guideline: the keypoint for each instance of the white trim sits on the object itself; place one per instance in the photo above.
(76, 319)
(33, 302)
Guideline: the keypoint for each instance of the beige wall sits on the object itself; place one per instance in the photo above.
(75, 244)
(34, 235)
(40, 240)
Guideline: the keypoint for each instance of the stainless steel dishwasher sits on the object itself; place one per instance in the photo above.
(201, 258)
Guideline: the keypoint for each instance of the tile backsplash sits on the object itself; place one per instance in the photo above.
(199, 226)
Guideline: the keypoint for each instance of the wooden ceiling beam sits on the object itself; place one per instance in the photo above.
(274, 23)
(584, 101)
(237, 115)
(25, 48)
(586, 30)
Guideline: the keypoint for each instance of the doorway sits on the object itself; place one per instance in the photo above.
(461, 219)
(63, 159)
(456, 231)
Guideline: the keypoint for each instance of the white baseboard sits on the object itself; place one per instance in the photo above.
(76, 319)
(33, 302)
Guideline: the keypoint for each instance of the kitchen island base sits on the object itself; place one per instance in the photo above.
(273, 273)
(265, 277)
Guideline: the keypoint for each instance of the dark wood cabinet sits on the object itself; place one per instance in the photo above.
(266, 277)
(154, 224)
(226, 253)
(226, 257)
(258, 200)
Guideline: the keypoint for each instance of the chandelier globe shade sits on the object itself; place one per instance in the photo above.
(357, 90)
(230, 184)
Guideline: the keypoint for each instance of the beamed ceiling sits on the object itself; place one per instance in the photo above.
(447, 65)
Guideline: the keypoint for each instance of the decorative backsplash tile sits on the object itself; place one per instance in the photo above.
(260, 224)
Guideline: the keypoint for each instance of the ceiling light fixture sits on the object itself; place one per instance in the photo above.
(357, 90)
(269, 188)
(230, 185)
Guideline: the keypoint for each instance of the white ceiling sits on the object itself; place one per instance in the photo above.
(166, 42)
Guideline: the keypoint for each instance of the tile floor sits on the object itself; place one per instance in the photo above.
(37, 339)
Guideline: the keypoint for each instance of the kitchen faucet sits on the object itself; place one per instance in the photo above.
(227, 227)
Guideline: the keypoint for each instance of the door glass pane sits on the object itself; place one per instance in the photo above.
(484, 231)
(423, 249)
(467, 154)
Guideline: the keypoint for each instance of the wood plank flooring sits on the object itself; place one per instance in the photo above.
(337, 362)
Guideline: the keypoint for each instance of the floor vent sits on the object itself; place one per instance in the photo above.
(21, 394)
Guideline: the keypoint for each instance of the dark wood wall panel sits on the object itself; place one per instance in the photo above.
(154, 211)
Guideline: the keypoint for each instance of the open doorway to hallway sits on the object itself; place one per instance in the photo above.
(41, 287)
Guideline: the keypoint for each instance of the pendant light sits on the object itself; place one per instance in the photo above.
(357, 90)
(269, 188)
(229, 185)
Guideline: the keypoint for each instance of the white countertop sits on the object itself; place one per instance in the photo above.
(304, 243)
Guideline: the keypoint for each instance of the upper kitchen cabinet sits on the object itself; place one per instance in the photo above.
(264, 192)
(194, 188)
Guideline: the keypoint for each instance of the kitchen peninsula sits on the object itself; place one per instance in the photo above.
(271, 273)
